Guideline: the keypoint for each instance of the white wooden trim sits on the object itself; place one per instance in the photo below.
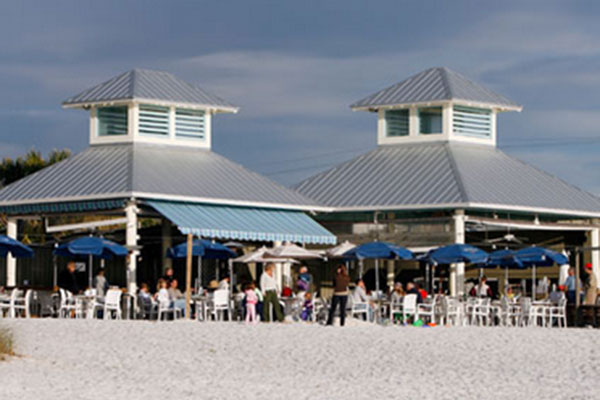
(461, 102)
(165, 103)
(11, 262)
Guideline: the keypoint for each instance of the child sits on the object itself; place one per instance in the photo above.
(307, 307)
(145, 300)
(162, 294)
(251, 300)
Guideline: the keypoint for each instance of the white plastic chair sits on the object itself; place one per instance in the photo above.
(112, 304)
(558, 313)
(395, 307)
(451, 311)
(219, 304)
(482, 312)
(165, 308)
(358, 308)
(427, 309)
(67, 304)
(409, 307)
(22, 305)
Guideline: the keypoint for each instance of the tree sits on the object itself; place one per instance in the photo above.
(13, 170)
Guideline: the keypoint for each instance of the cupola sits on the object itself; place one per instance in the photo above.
(437, 104)
(151, 107)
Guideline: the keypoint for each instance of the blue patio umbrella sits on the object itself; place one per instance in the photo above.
(376, 251)
(14, 247)
(539, 257)
(201, 248)
(458, 253)
(506, 259)
(91, 246)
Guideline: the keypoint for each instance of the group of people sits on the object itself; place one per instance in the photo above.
(68, 280)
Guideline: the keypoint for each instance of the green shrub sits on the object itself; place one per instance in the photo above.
(6, 343)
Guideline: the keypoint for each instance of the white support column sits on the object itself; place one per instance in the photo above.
(278, 269)
(595, 243)
(131, 240)
(457, 271)
(167, 242)
(11, 262)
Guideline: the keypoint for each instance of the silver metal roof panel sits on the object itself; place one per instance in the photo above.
(148, 85)
(432, 85)
(441, 174)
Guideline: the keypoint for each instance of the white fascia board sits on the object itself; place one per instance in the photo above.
(229, 202)
(498, 107)
(472, 206)
(158, 196)
(166, 103)
(530, 225)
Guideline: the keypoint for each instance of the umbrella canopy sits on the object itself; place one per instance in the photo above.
(540, 256)
(91, 246)
(505, 259)
(339, 250)
(458, 253)
(290, 250)
(201, 248)
(14, 247)
(259, 256)
(379, 250)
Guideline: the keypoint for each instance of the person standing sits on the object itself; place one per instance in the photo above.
(591, 286)
(67, 279)
(100, 283)
(269, 289)
(570, 286)
(340, 295)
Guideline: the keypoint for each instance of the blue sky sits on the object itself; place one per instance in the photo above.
(294, 67)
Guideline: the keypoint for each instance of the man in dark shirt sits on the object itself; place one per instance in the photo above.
(67, 279)
(412, 289)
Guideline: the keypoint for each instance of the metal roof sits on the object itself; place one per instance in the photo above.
(243, 223)
(445, 175)
(431, 85)
(152, 172)
(148, 85)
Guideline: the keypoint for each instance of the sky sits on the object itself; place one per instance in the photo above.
(294, 68)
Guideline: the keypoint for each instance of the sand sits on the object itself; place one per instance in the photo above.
(81, 359)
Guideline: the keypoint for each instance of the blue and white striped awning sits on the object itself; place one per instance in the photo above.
(243, 223)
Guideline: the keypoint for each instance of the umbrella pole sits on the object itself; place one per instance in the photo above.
(360, 269)
(377, 277)
(533, 283)
(55, 274)
(188, 276)
(199, 277)
(505, 279)
(90, 261)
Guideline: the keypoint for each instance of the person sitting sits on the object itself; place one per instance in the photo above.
(359, 296)
(398, 293)
(177, 298)
(162, 293)
(307, 307)
(101, 284)
(67, 279)
(422, 291)
(168, 276)
(224, 283)
(482, 289)
(411, 288)
(145, 301)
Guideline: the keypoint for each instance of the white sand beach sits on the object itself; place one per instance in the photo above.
(82, 359)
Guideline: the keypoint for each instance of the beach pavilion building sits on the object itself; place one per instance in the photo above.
(437, 177)
(150, 157)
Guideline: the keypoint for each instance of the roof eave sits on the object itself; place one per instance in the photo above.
(160, 196)
(124, 101)
(495, 106)
(472, 206)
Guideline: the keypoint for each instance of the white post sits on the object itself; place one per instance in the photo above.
(11, 262)
(595, 239)
(457, 272)
(131, 240)
(278, 269)
(166, 242)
